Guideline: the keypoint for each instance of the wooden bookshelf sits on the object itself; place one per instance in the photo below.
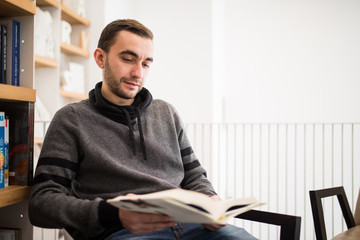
(18, 103)
(72, 17)
(46, 3)
(73, 95)
(14, 93)
(73, 50)
(13, 8)
(13, 194)
(45, 62)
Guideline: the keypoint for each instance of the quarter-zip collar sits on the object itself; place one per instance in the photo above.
(124, 114)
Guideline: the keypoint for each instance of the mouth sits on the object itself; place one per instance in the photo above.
(131, 84)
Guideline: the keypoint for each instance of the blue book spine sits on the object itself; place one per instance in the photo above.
(15, 54)
(2, 149)
(6, 171)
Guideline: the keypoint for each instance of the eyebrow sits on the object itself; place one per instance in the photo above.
(132, 53)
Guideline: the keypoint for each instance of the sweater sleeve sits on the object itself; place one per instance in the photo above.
(195, 177)
(52, 204)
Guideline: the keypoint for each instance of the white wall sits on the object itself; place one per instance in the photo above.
(98, 10)
(181, 72)
(253, 61)
(292, 61)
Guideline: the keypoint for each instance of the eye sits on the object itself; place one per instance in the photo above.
(147, 64)
(127, 59)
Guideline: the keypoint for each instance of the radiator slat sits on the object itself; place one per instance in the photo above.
(280, 162)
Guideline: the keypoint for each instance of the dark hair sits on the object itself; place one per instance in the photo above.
(108, 35)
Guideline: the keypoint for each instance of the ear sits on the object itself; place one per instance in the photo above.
(100, 57)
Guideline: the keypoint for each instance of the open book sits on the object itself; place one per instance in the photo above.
(186, 206)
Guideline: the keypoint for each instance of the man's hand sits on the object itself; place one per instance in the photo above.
(140, 223)
(214, 227)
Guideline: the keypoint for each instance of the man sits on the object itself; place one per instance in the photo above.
(119, 141)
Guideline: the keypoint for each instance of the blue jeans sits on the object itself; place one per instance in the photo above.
(187, 231)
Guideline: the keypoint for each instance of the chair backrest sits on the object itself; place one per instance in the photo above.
(289, 225)
(318, 212)
(357, 211)
(67, 236)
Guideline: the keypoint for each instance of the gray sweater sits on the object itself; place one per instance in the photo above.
(87, 158)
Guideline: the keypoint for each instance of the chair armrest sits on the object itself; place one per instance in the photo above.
(318, 212)
(290, 225)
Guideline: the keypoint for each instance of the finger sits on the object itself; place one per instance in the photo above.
(149, 228)
(140, 223)
(213, 227)
(142, 217)
(155, 218)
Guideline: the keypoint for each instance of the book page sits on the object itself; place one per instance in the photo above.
(177, 210)
(184, 205)
(186, 196)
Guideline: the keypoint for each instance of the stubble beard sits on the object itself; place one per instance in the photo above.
(114, 84)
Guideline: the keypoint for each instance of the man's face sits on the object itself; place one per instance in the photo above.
(126, 67)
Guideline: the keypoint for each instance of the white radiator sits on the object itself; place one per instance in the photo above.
(279, 163)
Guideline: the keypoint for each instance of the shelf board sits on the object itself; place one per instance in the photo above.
(12, 8)
(72, 17)
(14, 93)
(52, 3)
(73, 95)
(45, 62)
(13, 194)
(73, 50)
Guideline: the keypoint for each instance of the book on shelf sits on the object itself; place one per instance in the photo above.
(21, 152)
(2, 149)
(6, 169)
(12, 51)
(2, 78)
(3, 53)
(21, 141)
(186, 206)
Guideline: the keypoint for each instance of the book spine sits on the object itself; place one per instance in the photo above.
(15, 53)
(4, 54)
(6, 168)
(21, 140)
(31, 144)
(1, 54)
(2, 58)
(2, 149)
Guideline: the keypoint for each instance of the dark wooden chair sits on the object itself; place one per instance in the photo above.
(290, 225)
(353, 226)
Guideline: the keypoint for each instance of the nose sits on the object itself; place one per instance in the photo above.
(137, 71)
